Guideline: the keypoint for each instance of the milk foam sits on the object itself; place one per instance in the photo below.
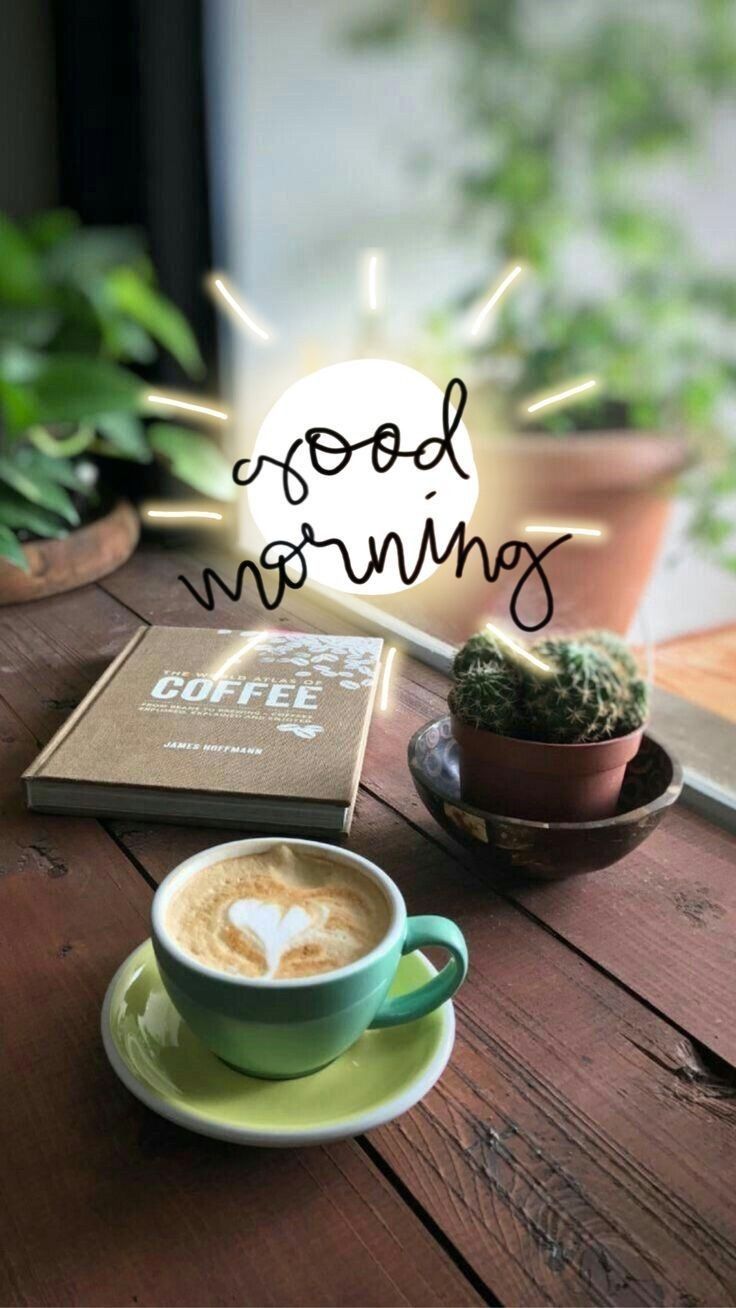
(287, 912)
(273, 928)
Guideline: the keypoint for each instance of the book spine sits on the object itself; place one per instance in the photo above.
(355, 782)
(75, 718)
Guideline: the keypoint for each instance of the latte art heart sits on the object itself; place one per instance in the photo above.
(273, 928)
(287, 912)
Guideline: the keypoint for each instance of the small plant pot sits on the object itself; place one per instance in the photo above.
(542, 782)
(90, 552)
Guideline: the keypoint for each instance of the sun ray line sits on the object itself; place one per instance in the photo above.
(386, 680)
(238, 309)
(547, 529)
(239, 654)
(183, 513)
(562, 395)
(494, 298)
(372, 283)
(518, 649)
(168, 401)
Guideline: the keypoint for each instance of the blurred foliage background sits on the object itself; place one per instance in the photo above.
(559, 119)
(79, 311)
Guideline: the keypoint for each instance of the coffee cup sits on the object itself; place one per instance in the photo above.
(276, 1026)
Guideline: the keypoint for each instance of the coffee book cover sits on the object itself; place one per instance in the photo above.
(228, 727)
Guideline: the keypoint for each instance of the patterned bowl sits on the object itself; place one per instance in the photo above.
(652, 783)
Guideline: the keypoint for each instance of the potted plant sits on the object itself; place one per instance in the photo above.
(561, 121)
(78, 309)
(548, 744)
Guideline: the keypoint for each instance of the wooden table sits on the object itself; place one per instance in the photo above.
(579, 1148)
(701, 668)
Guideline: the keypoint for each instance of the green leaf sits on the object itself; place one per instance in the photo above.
(18, 407)
(194, 459)
(41, 466)
(723, 480)
(73, 387)
(126, 434)
(46, 493)
(641, 236)
(20, 273)
(11, 550)
(22, 516)
(712, 528)
(18, 363)
(699, 396)
(645, 415)
(125, 339)
(88, 253)
(47, 229)
(132, 295)
(31, 324)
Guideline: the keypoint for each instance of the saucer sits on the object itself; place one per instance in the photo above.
(163, 1064)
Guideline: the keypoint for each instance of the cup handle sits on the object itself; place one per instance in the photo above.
(427, 931)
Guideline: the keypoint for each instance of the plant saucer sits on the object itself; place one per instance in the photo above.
(652, 784)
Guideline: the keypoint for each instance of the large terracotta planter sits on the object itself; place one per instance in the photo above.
(542, 782)
(621, 481)
(83, 556)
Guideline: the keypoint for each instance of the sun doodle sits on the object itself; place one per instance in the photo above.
(364, 468)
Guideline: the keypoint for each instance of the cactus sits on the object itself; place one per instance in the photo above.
(488, 696)
(579, 699)
(617, 650)
(592, 692)
(480, 651)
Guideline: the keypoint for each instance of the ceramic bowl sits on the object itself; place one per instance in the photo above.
(652, 783)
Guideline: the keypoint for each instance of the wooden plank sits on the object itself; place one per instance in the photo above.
(701, 668)
(663, 920)
(100, 1200)
(561, 1149)
(574, 1151)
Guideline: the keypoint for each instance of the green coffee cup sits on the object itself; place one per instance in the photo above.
(287, 1028)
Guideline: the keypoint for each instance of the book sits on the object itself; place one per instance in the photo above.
(230, 728)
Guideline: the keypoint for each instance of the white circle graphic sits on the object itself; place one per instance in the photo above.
(359, 502)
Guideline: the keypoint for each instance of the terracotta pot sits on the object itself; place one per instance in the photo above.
(620, 481)
(542, 782)
(79, 558)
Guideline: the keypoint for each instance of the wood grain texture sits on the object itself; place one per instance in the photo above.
(663, 920)
(574, 1151)
(576, 1138)
(102, 1202)
(701, 668)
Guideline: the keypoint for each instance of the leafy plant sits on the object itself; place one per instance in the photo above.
(592, 692)
(78, 307)
(562, 116)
